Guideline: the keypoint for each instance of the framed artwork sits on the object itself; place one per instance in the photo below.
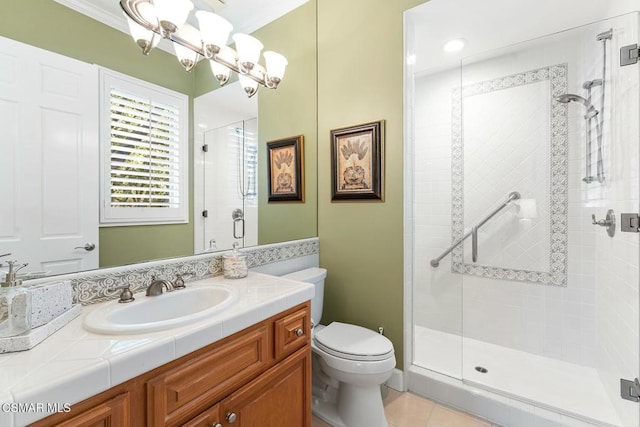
(357, 162)
(285, 169)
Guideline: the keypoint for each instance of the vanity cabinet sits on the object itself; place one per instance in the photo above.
(258, 376)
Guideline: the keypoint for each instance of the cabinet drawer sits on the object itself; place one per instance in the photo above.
(189, 388)
(292, 332)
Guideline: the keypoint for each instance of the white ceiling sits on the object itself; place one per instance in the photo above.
(245, 15)
(491, 24)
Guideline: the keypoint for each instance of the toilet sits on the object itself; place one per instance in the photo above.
(349, 364)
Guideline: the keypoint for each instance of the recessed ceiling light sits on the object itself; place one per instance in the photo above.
(454, 45)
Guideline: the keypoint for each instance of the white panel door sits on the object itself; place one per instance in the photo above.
(49, 160)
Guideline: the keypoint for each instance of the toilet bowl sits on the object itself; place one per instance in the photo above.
(349, 364)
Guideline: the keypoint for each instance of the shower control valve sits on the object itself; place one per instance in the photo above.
(609, 222)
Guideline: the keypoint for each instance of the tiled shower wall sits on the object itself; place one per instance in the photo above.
(571, 323)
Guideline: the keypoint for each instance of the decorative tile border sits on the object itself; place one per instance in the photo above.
(101, 285)
(557, 76)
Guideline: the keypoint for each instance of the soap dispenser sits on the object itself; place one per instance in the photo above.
(235, 264)
(15, 304)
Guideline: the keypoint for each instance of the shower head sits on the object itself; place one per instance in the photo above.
(570, 97)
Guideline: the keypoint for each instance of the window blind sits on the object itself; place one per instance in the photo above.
(145, 152)
(144, 140)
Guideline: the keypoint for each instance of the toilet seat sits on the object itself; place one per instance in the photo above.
(353, 342)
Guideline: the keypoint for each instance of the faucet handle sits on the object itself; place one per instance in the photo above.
(178, 283)
(126, 295)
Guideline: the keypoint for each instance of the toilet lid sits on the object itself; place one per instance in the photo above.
(353, 342)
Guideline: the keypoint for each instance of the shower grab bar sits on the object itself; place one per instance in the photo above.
(474, 232)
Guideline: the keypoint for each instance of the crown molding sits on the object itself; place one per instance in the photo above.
(94, 11)
(106, 17)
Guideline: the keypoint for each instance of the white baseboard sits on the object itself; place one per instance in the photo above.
(396, 381)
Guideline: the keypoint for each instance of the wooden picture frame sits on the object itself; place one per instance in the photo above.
(357, 162)
(285, 169)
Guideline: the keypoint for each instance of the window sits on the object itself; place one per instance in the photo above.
(144, 152)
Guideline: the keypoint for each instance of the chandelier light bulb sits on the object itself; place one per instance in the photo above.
(215, 31)
(249, 85)
(187, 57)
(276, 64)
(172, 14)
(145, 39)
(248, 48)
(220, 72)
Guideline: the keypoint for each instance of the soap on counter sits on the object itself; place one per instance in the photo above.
(49, 301)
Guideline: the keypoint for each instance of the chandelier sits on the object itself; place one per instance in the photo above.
(152, 20)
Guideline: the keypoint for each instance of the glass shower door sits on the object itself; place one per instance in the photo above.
(550, 299)
(231, 193)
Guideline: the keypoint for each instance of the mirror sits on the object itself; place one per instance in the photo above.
(289, 110)
(225, 169)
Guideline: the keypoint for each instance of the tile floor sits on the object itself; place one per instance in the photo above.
(408, 410)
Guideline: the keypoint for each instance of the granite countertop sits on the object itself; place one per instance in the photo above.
(74, 364)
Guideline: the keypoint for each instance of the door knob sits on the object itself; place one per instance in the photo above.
(87, 247)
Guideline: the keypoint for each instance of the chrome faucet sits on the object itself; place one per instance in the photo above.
(155, 288)
(11, 278)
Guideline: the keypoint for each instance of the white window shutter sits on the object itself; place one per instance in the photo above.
(144, 152)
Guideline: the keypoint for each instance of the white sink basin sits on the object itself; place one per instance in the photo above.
(169, 310)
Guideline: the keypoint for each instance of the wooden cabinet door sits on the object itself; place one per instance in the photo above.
(209, 418)
(113, 412)
(279, 397)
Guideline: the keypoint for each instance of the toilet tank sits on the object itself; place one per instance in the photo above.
(316, 276)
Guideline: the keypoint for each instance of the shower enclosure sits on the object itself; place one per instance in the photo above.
(225, 169)
(231, 187)
(521, 155)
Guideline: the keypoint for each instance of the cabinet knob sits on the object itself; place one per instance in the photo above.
(216, 425)
(231, 417)
(299, 332)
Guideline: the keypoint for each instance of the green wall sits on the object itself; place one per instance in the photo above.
(289, 111)
(360, 79)
(48, 25)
